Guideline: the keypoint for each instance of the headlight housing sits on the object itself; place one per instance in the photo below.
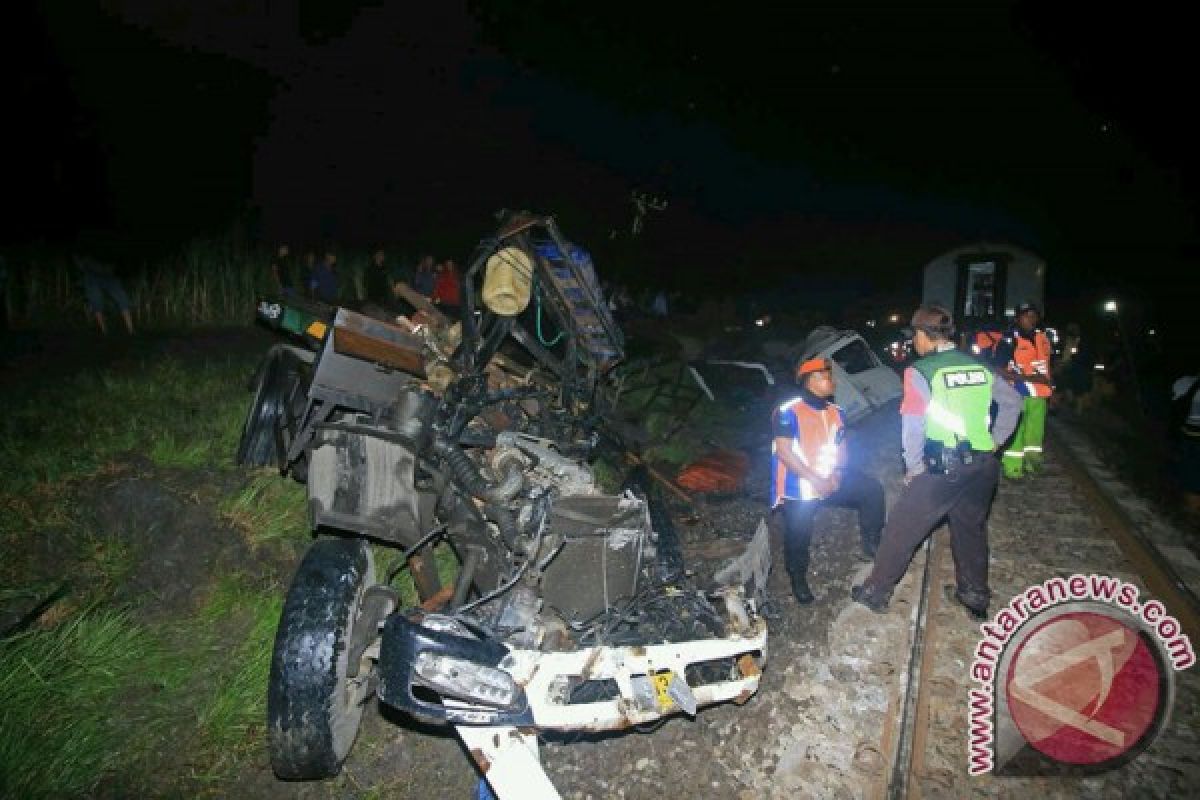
(466, 680)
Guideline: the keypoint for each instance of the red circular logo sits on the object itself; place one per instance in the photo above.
(1084, 688)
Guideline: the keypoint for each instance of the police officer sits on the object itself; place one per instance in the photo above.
(809, 470)
(1028, 351)
(950, 469)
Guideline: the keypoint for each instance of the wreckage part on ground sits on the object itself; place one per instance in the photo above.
(752, 365)
(862, 382)
(549, 678)
(719, 471)
(509, 762)
(519, 687)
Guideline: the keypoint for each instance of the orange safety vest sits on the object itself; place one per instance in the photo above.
(818, 444)
(1032, 358)
(985, 343)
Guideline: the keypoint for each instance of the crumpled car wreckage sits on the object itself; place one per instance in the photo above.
(570, 611)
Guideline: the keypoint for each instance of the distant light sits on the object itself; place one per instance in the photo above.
(894, 318)
(870, 323)
(1150, 332)
(1099, 368)
(1074, 350)
(1010, 312)
(760, 322)
(1110, 306)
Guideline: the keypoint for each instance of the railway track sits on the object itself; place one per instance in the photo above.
(1071, 525)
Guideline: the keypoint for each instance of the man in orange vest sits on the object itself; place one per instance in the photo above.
(809, 470)
(1028, 350)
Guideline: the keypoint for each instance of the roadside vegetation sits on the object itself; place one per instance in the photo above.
(106, 687)
(212, 281)
(103, 690)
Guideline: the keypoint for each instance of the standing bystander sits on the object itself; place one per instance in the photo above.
(447, 290)
(424, 276)
(323, 282)
(100, 281)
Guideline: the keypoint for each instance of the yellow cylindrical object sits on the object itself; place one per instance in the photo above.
(507, 281)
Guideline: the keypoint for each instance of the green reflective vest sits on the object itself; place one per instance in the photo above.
(960, 400)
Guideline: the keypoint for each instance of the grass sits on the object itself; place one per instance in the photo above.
(387, 558)
(269, 509)
(58, 690)
(97, 697)
(119, 703)
(176, 416)
(230, 715)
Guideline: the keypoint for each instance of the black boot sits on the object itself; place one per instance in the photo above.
(975, 601)
(800, 589)
(795, 553)
(865, 595)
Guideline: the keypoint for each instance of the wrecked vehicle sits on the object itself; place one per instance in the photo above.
(863, 382)
(570, 610)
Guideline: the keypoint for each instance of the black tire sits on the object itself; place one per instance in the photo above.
(272, 384)
(313, 710)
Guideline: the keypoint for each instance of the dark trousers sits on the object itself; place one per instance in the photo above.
(858, 491)
(963, 499)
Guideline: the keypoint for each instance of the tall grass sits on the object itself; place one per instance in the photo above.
(211, 281)
(102, 698)
(230, 712)
(58, 691)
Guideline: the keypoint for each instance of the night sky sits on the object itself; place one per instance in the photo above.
(830, 150)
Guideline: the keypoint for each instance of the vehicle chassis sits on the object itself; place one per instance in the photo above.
(411, 429)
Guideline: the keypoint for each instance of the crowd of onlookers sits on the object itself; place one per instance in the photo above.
(320, 279)
(317, 277)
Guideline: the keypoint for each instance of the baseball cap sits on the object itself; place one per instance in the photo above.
(934, 320)
(814, 365)
(1021, 309)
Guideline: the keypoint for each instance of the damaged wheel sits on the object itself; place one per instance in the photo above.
(272, 384)
(314, 707)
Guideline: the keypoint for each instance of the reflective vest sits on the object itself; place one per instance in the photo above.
(817, 443)
(1031, 356)
(986, 343)
(960, 399)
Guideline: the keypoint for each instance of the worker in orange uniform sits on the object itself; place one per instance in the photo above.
(987, 344)
(1028, 350)
(809, 470)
